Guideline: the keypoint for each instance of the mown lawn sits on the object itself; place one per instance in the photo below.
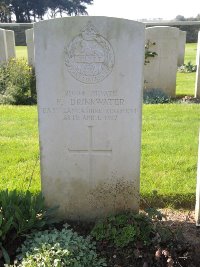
(169, 151)
(185, 82)
(169, 146)
(190, 53)
(19, 148)
(21, 52)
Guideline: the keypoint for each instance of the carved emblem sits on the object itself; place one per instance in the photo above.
(89, 56)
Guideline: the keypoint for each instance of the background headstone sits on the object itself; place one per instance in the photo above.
(89, 73)
(181, 48)
(160, 73)
(30, 46)
(3, 47)
(197, 82)
(197, 208)
(197, 53)
(10, 40)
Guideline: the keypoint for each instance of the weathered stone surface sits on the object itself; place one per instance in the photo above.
(197, 82)
(30, 46)
(19, 30)
(181, 47)
(3, 47)
(89, 81)
(10, 40)
(160, 72)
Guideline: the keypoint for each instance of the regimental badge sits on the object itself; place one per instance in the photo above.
(89, 57)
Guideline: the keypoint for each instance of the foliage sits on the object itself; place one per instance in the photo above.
(182, 18)
(17, 83)
(5, 15)
(155, 96)
(148, 52)
(54, 248)
(19, 213)
(32, 10)
(189, 67)
(153, 213)
(122, 229)
(140, 232)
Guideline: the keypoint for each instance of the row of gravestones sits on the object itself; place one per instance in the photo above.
(7, 45)
(160, 73)
(169, 45)
(89, 73)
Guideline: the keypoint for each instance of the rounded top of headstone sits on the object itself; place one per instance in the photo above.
(85, 18)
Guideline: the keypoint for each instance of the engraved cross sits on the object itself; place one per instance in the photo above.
(90, 151)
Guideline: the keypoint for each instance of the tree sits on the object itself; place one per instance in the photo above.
(33, 10)
(5, 12)
(67, 7)
(180, 18)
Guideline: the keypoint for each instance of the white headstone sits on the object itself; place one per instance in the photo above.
(197, 53)
(181, 48)
(10, 40)
(197, 82)
(89, 73)
(197, 207)
(160, 73)
(30, 46)
(3, 47)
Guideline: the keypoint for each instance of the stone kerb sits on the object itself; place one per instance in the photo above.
(197, 82)
(10, 40)
(197, 207)
(30, 46)
(3, 47)
(181, 48)
(89, 73)
(160, 73)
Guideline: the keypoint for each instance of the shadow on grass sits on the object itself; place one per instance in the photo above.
(176, 201)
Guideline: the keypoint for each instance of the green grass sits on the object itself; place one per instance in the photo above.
(190, 53)
(169, 146)
(169, 151)
(21, 51)
(19, 148)
(185, 82)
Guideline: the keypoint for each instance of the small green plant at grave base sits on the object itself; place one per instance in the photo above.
(155, 96)
(19, 213)
(17, 83)
(154, 214)
(187, 68)
(123, 229)
(54, 248)
(138, 231)
(148, 52)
